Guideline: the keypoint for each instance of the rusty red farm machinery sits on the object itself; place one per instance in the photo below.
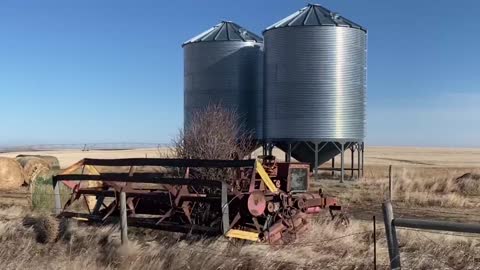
(257, 200)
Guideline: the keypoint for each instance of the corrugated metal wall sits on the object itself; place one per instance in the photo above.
(224, 72)
(315, 83)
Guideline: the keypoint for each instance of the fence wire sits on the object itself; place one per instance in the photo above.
(440, 232)
(454, 214)
(422, 233)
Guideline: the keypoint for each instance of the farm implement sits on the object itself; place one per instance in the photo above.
(253, 200)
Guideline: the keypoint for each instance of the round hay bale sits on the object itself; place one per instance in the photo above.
(52, 161)
(11, 174)
(35, 168)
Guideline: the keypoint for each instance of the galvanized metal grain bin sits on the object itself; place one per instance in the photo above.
(315, 77)
(224, 66)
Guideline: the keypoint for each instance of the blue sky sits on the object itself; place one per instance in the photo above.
(112, 71)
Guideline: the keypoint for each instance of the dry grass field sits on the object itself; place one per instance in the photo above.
(427, 184)
(374, 156)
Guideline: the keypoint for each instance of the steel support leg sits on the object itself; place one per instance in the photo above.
(289, 152)
(352, 149)
(342, 163)
(359, 148)
(363, 159)
(333, 166)
(316, 161)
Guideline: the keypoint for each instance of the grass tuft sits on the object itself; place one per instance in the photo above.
(42, 194)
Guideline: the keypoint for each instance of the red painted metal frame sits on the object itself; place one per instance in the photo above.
(169, 203)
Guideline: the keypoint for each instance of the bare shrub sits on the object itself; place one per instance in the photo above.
(213, 133)
(467, 184)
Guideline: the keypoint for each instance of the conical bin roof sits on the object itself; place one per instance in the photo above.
(314, 15)
(225, 31)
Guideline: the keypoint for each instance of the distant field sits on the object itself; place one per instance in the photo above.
(374, 156)
(422, 156)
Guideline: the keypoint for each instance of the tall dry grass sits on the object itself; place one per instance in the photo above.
(42, 197)
(324, 246)
(421, 186)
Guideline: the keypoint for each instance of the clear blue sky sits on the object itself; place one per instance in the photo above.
(112, 71)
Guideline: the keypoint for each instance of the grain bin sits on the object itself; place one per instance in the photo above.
(315, 83)
(223, 65)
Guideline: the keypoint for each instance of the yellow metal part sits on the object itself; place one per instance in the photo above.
(251, 236)
(91, 201)
(80, 218)
(92, 169)
(265, 178)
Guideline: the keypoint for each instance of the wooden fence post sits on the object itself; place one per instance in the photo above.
(123, 219)
(374, 244)
(390, 184)
(225, 212)
(393, 250)
(58, 202)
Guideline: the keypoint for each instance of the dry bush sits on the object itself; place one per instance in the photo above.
(213, 133)
(45, 227)
(467, 184)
